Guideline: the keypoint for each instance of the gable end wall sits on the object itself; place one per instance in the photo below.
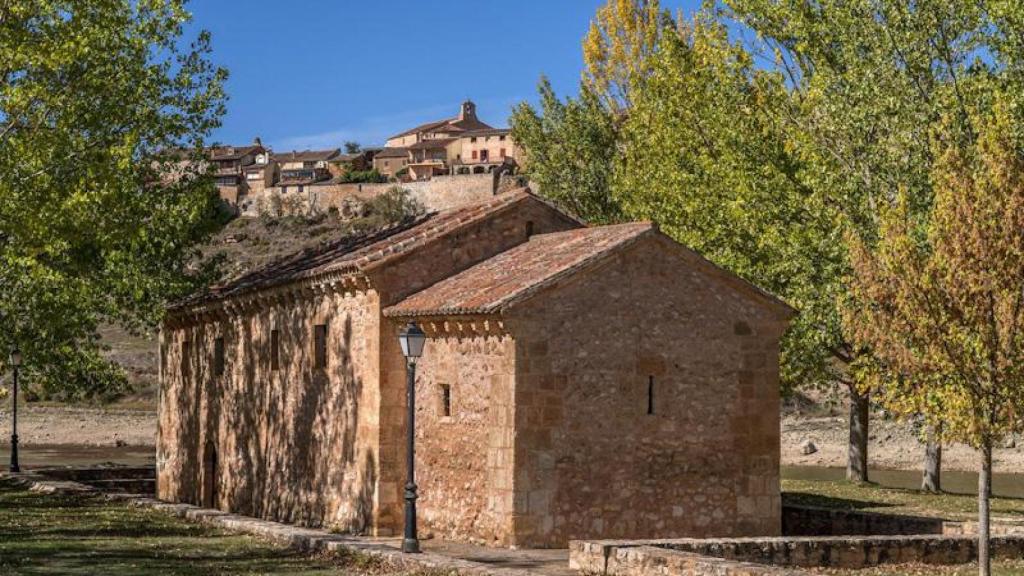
(590, 461)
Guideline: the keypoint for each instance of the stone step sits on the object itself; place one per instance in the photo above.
(125, 485)
(89, 474)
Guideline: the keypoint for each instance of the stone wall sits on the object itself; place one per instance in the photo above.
(655, 561)
(438, 193)
(411, 273)
(595, 355)
(464, 460)
(778, 555)
(298, 444)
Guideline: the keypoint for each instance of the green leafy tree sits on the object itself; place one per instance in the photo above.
(570, 151)
(103, 192)
(869, 81)
(705, 154)
(352, 147)
(941, 299)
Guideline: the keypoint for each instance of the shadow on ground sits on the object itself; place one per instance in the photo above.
(832, 502)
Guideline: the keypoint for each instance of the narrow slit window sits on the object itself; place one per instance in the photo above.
(650, 395)
(529, 228)
(275, 349)
(218, 356)
(446, 400)
(320, 346)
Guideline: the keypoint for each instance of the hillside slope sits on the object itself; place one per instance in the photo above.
(245, 244)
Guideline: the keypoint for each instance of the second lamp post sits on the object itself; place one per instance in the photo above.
(15, 364)
(412, 339)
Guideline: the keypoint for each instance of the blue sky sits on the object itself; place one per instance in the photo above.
(309, 74)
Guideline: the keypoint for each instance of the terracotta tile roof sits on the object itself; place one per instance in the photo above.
(305, 155)
(512, 276)
(425, 127)
(353, 254)
(232, 152)
(515, 274)
(486, 132)
(471, 124)
(393, 153)
(431, 144)
(447, 125)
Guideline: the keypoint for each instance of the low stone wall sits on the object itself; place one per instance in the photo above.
(648, 560)
(742, 555)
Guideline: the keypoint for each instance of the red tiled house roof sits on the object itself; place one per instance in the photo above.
(305, 155)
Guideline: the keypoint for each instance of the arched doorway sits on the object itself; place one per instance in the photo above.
(210, 473)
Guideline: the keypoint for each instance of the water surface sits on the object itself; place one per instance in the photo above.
(1008, 485)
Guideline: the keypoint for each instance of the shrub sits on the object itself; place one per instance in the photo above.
(362, 177)
(394, 205)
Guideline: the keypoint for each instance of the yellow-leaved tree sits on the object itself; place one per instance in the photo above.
(940, 298)
(617, 48)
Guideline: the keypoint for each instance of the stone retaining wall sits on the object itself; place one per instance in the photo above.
(437, 193)
(633, 558)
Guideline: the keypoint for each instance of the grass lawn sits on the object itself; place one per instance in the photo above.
(875, 498)
(48, 534)
(999, 568)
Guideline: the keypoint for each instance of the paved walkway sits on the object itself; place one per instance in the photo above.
(551, 562)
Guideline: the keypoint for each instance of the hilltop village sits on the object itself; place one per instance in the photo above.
(435, 161)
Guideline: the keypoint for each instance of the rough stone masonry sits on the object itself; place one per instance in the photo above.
(579, 382)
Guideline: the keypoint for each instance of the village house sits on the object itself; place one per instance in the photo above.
(306, 167)
(578, 382)
(460, 145)
(391, 161)
(230, 164)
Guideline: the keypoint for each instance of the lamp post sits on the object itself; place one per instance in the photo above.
(412, 339)
(15, 364)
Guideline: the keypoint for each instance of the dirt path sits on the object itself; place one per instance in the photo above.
(81, 426)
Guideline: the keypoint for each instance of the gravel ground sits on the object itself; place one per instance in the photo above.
(892, 445)
(82, 426)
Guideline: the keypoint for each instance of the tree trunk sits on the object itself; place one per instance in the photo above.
(857, 458)
(984, 491)
(932, 481)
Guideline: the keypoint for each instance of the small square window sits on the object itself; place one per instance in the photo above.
(275, 349)
(446, 400)
(218, 356)
(320, 346)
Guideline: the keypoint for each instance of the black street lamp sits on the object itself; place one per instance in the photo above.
(412, 339)
(15, 363)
